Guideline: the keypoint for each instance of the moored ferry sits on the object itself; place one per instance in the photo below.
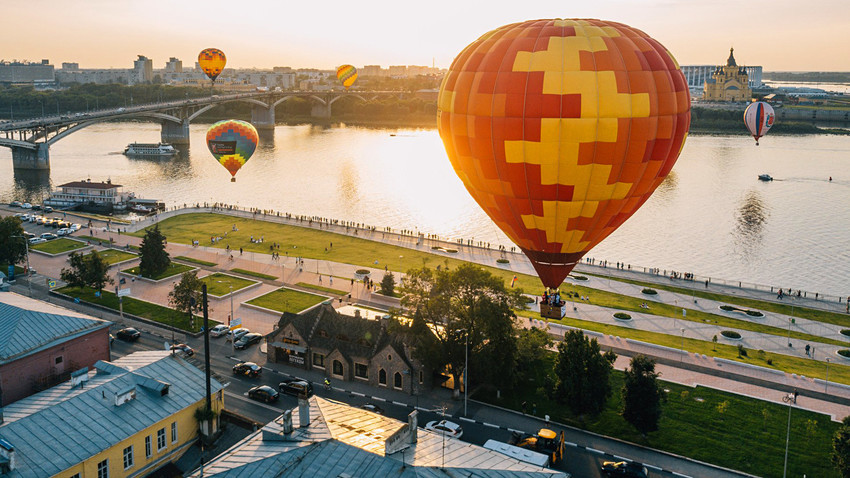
(149, 149)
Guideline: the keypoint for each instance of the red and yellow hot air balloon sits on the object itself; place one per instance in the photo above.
(759, 117)
(212, 61)
(232, 142)
(347, 75)
(561, 130)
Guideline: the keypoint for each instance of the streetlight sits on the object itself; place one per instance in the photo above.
(681, 357)
(232, 338)
(826, 387)
(790, 321)
(787, 439)
(29, 272)
(465, 369)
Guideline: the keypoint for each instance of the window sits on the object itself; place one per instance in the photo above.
(103, 469)
(319, 360)
(128, 457)
(389, 358)
(148, 451)
(361, 370)
(382, 377)
(160, 439)
(337, 367)
(397, 380)
(173, 432)
(421, 377)
(322, 333)
(58, 360)
(75, 475)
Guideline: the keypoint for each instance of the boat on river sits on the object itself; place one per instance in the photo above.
(163, 150)
(765, 177)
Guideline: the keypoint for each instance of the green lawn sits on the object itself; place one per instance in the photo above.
(58, 246)
(749, 435)
(113, 256)
(287, 300)
(173, 270)
(94, 239)
(218, 284)
(158, 313)
(255, 274)
(319, 288)
(4, 268)
(196, 261)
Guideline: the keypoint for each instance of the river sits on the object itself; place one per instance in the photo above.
(711, 217)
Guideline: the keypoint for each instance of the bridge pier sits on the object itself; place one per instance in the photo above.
(31, 159)
(320, 110)
(262, 118)
(175, 133)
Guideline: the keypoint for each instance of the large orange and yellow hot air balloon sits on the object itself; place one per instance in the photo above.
(212, 61)
(232, 142)
(561, 130)
(347, 75)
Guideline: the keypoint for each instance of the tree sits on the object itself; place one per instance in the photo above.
(642, 395)
(841, 448)
(154, 259)
(465, 304)
(185, 297)
(388, 284)
(532, 348)
(583, 374)
(86, 271)
(12, 249)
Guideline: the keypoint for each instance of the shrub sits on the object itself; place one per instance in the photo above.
(844, 353)
(727, 308)
(845, 332)
(754, 313)
(362, 272)
(622, 316)
(503, 261)
(649, 291)
(770, 361)
(528, 299)
(730, 334)
(742, 352)
(579, 277)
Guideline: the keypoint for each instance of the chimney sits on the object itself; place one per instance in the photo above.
(287, 422)
(356, 313)
(413, 424)
(7, 453)
(304, 412)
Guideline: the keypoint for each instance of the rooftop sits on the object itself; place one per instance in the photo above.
(90, 185)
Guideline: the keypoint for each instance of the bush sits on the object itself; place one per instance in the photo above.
(528, 300)
(730, 334)
(770, 361)
(649, 291)
(727, 308)
(844, 353)
(845, 332)
(742, 352)
(622, 316)
(579, 277)
(362, 272)
(754, 313)
(503, 261)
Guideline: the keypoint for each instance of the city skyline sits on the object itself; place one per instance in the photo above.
(380, 33)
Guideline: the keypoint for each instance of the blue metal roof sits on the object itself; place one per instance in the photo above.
(63, 426)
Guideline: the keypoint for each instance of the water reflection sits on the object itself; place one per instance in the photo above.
(750, 219)
(349, 182)
(667, 189)
(31, 185)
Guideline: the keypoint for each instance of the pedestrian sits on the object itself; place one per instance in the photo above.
(524, 405)
(547, 421)
(534, 409)
(240, 251)
(807, 349)
(795, 395)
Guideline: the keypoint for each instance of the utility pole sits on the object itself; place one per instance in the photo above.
(207, 344)
(29, 272)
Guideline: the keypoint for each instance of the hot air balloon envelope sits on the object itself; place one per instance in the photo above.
(232, 142)
(212, 61)
(347, 75)
(561, 130)
(759, 117)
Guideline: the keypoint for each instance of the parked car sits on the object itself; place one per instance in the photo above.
(29, 235)
(36, 207)
(296, 387)
(249, 369)
(445, 427)
(129, 334)
(26, 205)
(49, 236)
(248, 339)
(48, 209)
(219, 330)
(75, 227)
(15, 204)
(625, 469)
(40, 220)
(237, 334)
(24, 217)
(372, 408)
(63, 231)
(263, 393)
(183, 348)
(37, 240)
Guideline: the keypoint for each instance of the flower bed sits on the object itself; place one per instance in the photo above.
(622, 316)
(649, 291)
(730, 334)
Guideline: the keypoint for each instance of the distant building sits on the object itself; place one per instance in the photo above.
(728, 83)
(372, 70)
(41, 344)
(142, 70)
(100, 76)
(331, 439)
(173, 65)
(16, 72)
(397, 71)
(697, 75)
(124, 418)
(70, 66)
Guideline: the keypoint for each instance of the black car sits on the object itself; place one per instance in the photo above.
(248, 339)
(296, 387)
(263, 393)
(625, 469)
(249, 369)
(129, 334)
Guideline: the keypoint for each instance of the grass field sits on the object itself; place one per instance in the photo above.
(319, 288)
(255, 274)
(112, 256)
(4, 268)
(173, 270)
(94, 239)
(196, 261)
(704, 424)
(58, 246)
(287, 300)
(219, 284)
(158, 313)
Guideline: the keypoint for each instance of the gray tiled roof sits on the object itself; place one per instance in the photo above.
(28, 325)
(63, 426)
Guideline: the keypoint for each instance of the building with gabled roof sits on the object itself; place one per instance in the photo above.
(41, 344)
(328, 438)
(729, 82)
(121, 419)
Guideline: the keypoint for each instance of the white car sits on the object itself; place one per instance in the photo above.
(26, 205)
(63, 231)
(49, 236)
(219, 330)
(24, 217)
(75, 227)
(238, 333)
(445, 427)
(37, 240)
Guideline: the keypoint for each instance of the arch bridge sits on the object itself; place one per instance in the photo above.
(30, 139)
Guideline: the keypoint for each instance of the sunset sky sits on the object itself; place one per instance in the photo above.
(779, 34)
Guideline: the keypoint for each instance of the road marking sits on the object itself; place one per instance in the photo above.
(357, 394)
(621, 458)
(679, 474)
(339, 389)
(594, 450)
(515, 430)
(399, 403)
(656, 468)
(422, 409)
(379, 399)
(490, 425)
(466, 419)
(569, 443)
(268, 370)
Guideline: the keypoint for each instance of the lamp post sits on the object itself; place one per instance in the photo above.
(29, 272)
(681, 357)
(232, 338)
(787, 440)
(826, 387)
(465, 369)
(790, 321)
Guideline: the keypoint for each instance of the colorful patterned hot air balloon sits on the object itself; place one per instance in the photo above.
(212, 61)
(759, 118)
(561, 130)
(347, 75)
(232, 142)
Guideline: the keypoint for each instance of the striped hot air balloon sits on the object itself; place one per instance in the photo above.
(212, 61)
(347, 75)
(759, 117)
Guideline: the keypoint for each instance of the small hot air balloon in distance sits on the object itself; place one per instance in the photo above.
(232, 142)
(212, 61)
(561, 129)
(759, 117)
(347, 75)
